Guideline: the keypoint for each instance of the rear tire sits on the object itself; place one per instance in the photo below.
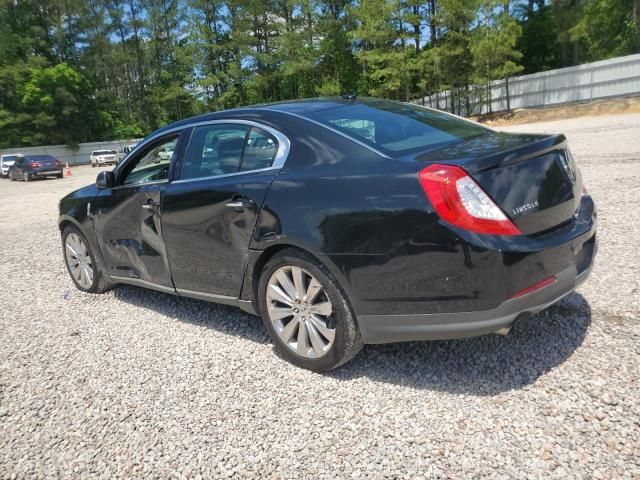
(79, 259)
(322, 334)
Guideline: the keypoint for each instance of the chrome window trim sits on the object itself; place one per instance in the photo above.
(133, 185)
(224, 175)
(284, 144)
(334, 130)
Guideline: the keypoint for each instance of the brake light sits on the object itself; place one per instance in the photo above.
(36, 164)
(460, 201)
(536, 286)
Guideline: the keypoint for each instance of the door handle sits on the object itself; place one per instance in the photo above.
(150, 205)
(238, 203)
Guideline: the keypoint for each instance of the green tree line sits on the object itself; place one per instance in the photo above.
(83, 70)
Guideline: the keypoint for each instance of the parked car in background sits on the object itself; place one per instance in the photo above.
(99, 158)
(341, 222)
(165, 153)
(28, 167)
(5, 162)
(126, 150)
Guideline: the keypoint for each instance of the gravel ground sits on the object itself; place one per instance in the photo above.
(141, 384)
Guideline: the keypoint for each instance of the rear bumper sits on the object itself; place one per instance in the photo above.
(46, 173)
(445, 326)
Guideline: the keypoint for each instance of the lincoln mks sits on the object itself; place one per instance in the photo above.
(340, 222)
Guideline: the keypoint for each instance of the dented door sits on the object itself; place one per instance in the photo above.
(131, 232)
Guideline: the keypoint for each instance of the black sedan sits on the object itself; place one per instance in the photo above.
(28, 167)
(340, 222)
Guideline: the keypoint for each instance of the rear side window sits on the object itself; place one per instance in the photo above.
(397, 127)
(259, 151)
(221, 149)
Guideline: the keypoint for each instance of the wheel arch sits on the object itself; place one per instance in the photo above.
(65, 220)
(258, 259)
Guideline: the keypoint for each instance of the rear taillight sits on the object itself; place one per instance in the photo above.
(58, 163)
(36, 164)
(460, 201)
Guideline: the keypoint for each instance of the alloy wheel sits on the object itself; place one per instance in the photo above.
(79, 260)
(300, 311)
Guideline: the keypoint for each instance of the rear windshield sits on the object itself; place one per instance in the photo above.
(398, 127)
(104, 152)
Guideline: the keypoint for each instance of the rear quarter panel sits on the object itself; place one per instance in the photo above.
(367, 219)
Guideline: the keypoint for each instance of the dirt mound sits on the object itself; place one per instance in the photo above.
(529, 115)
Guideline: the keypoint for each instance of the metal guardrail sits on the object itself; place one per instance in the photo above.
(615, 77)
(65, 154)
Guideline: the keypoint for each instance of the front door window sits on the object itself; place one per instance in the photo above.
(153, 165)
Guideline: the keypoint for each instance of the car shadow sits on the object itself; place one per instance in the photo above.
(222, 318)
(480, 366)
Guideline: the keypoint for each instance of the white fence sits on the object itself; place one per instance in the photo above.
(74, 157)
(615, 77)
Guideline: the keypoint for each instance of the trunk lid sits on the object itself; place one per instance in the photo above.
(45, 163)
(532, 178)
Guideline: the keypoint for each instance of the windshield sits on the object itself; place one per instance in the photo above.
(9, 158)
(104, 152)
(398, 127)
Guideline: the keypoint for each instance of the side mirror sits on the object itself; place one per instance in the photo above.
(104, 180)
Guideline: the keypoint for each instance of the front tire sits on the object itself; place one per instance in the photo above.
(306, 312)
(12, 176)
(84, 267)
(26, 177)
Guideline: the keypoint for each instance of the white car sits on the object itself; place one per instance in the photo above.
(5, 162)
(99, 158)
(126, 150)
(165, 154)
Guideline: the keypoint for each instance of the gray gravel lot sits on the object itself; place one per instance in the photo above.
(135, 383)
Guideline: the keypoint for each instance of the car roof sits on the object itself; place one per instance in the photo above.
(302, 107)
